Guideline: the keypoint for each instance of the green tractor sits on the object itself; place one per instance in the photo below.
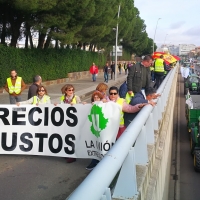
(193, 124)
(192, 84)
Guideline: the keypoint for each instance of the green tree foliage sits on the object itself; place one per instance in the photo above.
(80, 24)
(53, 64)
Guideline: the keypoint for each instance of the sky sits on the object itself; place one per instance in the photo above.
(179, 23)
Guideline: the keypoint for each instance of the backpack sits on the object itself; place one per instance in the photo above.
(123, 89)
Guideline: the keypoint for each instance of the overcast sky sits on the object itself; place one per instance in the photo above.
(180, 19)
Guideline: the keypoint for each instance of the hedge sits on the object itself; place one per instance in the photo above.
(51, 64)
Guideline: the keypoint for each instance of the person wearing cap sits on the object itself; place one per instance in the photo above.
(32, 91)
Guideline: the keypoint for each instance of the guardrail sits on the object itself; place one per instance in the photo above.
(129, 150)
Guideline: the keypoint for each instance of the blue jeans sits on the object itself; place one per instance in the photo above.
(106, 77)
(14, 99)
(93, 77)
(152, 76)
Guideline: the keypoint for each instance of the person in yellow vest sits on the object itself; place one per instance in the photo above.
(41, 97)
(159, 69)
(114, 96)
(69, 97)
(14, 86)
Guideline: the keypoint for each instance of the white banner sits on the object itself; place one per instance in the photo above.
(79, 131)
(185, 72)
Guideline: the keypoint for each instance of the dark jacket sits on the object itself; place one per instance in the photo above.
(137, 99)
(112, 67)
(105, 69)
(32, 90)
(139, 77)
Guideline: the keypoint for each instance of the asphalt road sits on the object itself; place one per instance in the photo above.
(189, 179)
(185, 181)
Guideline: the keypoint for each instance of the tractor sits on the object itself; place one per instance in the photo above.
(193, 124)
(192, 84)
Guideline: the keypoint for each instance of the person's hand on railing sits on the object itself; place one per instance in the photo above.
(152, 103)
(155, 96)
(142, 105)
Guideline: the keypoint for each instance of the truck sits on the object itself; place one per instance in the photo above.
(193, 125)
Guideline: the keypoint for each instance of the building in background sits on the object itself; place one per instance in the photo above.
(171, 48)
(184, 49)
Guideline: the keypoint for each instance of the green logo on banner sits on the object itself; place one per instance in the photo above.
(99, 122)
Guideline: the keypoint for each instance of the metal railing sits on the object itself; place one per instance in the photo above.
(124, 156)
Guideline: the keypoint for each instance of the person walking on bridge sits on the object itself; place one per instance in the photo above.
(14, 86)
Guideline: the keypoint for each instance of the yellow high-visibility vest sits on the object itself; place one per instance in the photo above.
(120, 101)
(73, 100)
(128, 97)
(159, 66)
(45, 99)
(14, 88)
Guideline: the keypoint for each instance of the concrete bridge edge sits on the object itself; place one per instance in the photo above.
(156, 175)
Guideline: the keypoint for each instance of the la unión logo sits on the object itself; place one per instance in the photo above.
(99, 122)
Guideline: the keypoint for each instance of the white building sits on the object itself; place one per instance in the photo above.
(184, 49)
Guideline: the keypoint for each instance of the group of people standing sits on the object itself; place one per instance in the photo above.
(109, 70)
(139, 91)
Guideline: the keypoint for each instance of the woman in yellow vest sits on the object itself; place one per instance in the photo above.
(69, 97)
(114, 96)
(40, 98)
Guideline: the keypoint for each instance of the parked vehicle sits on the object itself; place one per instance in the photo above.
(193, 124)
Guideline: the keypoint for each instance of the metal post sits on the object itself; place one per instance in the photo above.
(155, 33)
(116, 44)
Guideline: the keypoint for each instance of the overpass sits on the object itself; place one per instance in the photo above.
(145, 167)
(138, 165)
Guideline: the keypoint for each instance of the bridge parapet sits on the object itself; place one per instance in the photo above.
(138, 165)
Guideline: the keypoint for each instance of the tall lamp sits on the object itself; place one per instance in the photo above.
(116, 44)
(155, 33)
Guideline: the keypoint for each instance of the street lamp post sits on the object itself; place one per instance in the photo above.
(116, 44)
(155, 33)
